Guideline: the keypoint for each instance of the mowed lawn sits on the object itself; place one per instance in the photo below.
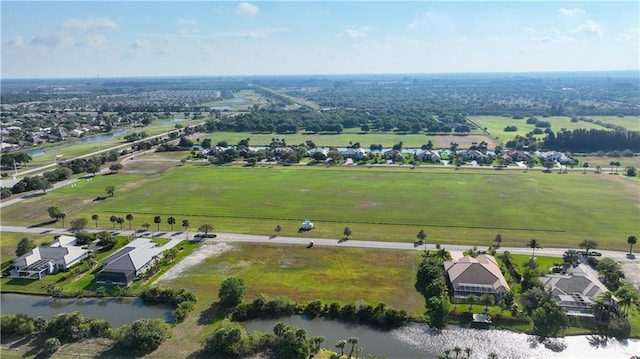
(391, 204)
(495, 125)
(386, 139)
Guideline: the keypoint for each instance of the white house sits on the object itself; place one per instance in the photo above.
(44, 260)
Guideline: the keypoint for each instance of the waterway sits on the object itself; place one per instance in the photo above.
(419, 341)
(117, 311)
(91, 139)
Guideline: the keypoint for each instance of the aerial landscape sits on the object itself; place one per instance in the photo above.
(319, 179)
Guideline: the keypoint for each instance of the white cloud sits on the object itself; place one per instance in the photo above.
(92, 41)
(632, 35)
(138, 44)
(186, 22)
(353, 33)
(563, 11)
(529, 30)
(47, 40)
(553, 40)
(90, 23)
(421, 18)
(246, 9)
(16, 42)
(589, 27)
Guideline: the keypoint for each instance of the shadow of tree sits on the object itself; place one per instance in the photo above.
(43, 224)
(212, 314)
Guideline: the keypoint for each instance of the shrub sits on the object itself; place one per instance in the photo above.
(16, 324)
(143, 335)
(51, 345)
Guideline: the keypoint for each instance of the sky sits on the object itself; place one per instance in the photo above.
(88, 39)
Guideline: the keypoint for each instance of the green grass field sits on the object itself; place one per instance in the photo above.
(495, 125)
(390, 204)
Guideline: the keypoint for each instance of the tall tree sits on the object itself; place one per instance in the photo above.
(120, 221)
(340, 344)
(498, 240)
(95, 218)
(171, 221)
(549, 320)
(129, 219)
(353, 341)
(206, 228)
(231, 292)
(24, 246)
(54, 212)
(113, 219)
(347, 232)
(78, 224)
(157, 220)
(631, 240)
(534, 244)
(421, 236)
(185, 225)
(62, 216)
(588, 244)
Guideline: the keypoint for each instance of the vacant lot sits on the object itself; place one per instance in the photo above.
(495, 125)
(464, 206)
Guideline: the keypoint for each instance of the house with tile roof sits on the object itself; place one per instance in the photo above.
(129, 262)
(575, 290)
(477, 276)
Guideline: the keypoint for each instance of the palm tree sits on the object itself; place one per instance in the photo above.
(278, 229)
(471, 299)
(585, 166)
(346, 232)
(129, 218)
(171, 221)
(62, 217)
(468, 351)
(95, 218)
(353, 341)
(185, 225)
(627, 296)
(487, 300)
(340, 345)
(533, 244)
(157, 220)
(421, 236)
(631, 240)
(607, 298)
(113, 220)
(120, 221)
(146, 226)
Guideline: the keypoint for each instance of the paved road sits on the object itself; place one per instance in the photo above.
(304, 241)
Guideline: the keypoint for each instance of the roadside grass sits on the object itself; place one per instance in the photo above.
(631, 123)
(604, 161)
(463, 206)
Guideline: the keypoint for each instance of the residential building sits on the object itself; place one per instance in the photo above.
(575, 290)
(43, 260)
(477, 276)
(129, 262)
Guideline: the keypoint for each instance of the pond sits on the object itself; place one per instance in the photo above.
(117, 311)
(92, 139)
(173, 120)
(419, 341)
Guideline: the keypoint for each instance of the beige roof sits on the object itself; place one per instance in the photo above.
(480, 270)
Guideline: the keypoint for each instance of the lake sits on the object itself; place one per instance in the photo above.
(92, 139)
(419, 341)
(117, 311)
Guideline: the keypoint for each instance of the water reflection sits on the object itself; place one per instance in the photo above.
(117, 311)
(419, 341)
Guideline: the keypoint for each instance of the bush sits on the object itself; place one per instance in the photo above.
(51, 345)
(16, 324)
(510, 129)
(143, 335)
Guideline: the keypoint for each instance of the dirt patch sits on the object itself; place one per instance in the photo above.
(205, 251)
(366, 205)
(462, 141)
(132, 185)
(632, 272)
